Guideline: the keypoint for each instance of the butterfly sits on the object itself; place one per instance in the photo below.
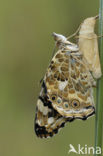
(67, 90)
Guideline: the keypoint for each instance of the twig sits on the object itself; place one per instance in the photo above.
(99, 93)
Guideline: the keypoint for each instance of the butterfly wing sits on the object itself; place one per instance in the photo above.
(66, 92)
(69, 85)
(47, 121)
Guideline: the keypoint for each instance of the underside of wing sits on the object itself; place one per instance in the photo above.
(47, 121)
(69, 85)
(67, 90)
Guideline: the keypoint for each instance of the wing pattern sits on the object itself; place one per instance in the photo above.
(66, 94)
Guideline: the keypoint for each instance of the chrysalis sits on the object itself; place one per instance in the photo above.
(88, 46)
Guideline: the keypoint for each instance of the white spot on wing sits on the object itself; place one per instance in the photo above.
(62, 85)
(42, 108)
(50, 120)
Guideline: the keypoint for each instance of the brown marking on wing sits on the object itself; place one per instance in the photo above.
(59, 55)
(65, 94)
(71, 91)
(64, 68)
(61, 60)
(82, 97)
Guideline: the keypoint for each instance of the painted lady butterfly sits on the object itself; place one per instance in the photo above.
(67, 90)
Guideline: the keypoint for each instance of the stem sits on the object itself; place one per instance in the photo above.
(99, 93)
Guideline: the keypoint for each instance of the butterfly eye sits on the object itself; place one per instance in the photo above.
(59, 100)
(53, 97)
(75, 103)
(66, 104)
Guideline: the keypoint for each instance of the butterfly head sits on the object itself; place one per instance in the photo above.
(63, 43)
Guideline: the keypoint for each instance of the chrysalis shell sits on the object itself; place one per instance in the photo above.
(88, 45)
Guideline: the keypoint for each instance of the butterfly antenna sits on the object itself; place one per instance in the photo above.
(74, 34)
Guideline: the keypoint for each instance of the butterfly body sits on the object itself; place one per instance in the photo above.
(67, 90)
